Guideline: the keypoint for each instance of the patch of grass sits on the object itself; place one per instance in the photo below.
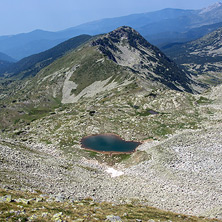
(47, 141)
(92, 154)
(124, 157)
(87, 210)
(203, 100)
(110, 159)
(90, 70)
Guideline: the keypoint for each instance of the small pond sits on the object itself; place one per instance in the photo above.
(108, 143)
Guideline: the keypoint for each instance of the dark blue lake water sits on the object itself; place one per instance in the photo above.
(108, 143)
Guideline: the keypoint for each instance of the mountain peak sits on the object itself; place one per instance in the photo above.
(127, 48)
(211, 8)
(122, 30)
(123, 35)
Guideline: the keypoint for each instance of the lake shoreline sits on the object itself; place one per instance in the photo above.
(109, 152)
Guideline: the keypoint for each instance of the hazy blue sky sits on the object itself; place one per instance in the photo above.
(18, 16)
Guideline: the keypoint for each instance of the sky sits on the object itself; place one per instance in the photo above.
(20, 16)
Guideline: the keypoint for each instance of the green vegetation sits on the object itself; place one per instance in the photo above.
(129, 111)
(203, 100)
(116, 112)
(23, 206)
(95, 67)
(31, 65)
(109, 159)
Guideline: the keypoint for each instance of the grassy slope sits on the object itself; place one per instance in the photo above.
(31, 65)
(125, 113)
(32, 98)
(85, 210)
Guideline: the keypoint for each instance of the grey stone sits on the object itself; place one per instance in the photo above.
(33, 217)
(60, 198)
(113, 218)
(22, 200)
(6, 199)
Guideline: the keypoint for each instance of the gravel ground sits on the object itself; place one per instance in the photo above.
(184, 173)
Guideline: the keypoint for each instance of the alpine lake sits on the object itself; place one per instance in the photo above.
(108, 143)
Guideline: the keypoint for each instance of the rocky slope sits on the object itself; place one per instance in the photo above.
(129, 49)
(99, 88)
(202, 56)
(120, 59)
(180, 172)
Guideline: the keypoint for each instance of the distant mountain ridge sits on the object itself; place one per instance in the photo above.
(5, 61)
(6, 58)
(202, 57)
(163, 40)
(150, 25)
(33, 64)
(211, 8)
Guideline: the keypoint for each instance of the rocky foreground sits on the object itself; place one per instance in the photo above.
(23, 206)
(181, 174)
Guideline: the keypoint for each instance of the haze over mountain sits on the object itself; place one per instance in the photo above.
(4, 57)
(33, 64)
(168, 23)
(5, 61)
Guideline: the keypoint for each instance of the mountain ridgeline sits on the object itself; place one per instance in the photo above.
(4, 57)
(160, 28)
(34, 63)
(121, 60)
(5, 61)
(128, 48)
(201, 57)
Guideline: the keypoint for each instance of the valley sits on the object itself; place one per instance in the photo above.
(116, 83)
(182, 168)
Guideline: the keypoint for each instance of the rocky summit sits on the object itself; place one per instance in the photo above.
(128, 48)
(114, 83)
